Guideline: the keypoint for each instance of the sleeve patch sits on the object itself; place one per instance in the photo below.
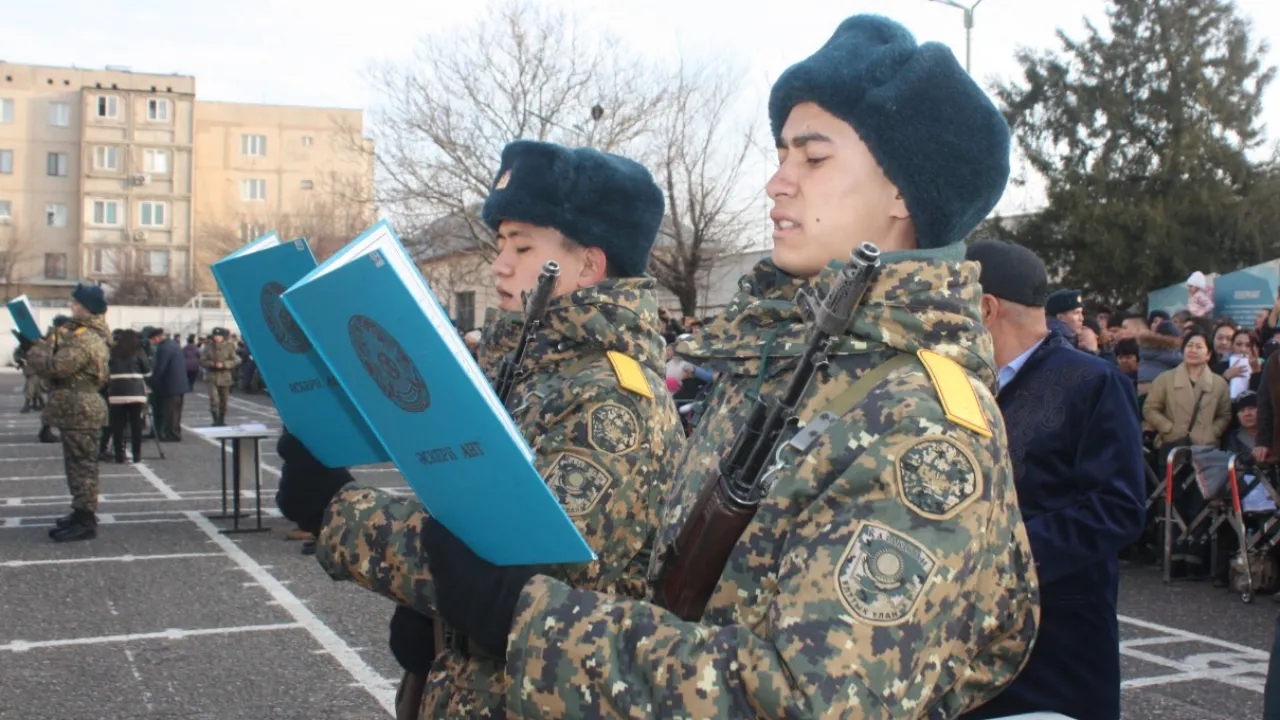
(937, 477)
(883, 575)
(613, 429)
(578, 483)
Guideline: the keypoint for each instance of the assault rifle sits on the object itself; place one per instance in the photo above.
(535, 306)
(727, 502)
(409, 697)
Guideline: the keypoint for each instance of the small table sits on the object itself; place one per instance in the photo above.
(237, 435)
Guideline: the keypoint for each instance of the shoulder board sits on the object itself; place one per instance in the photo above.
(630, 374)
(959, 399)
(80, 331)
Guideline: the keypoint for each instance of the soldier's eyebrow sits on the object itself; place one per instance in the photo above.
(803, 139)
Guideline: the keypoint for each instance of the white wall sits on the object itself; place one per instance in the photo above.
(173, 319)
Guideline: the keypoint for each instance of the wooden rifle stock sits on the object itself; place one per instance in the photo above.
(726, 504)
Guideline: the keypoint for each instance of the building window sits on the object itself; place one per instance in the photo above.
(151, 214)
(307, 185)
(158, 110)
(6, 111)
(55, 215)
(154, 262)
(307, 140)
(106, 261)
(6, 162)
(60, 114)
(156, 161)
(250, 231)
(106, 157)
(107, 106)
(106, 212)
(465, 318)
(254, 145)
(57, 164)
(253, 189)
(55, 266)
(6, 210)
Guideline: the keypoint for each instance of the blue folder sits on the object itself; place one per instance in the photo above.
(375, 322)
(20, 309)
(310, 400)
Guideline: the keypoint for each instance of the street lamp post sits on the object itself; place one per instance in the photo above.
(968, 28)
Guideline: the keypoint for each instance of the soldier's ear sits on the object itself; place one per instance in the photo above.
(595, 267)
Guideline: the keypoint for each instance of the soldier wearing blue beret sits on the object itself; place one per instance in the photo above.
(589, 398)
(886, 572)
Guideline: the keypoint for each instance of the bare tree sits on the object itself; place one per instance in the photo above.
(17, 246)
(518, 71)
(134, 285)
(698, 159)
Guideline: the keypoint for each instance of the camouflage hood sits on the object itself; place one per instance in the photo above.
(920, 300)
(93, 323)
(619, 314)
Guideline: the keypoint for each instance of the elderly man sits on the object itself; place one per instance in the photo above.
(1075, 441)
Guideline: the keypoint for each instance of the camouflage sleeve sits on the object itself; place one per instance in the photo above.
(60, 364)
(888, 584)
(374, 539)
(600, 450)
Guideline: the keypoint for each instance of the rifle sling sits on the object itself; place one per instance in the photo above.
(846, 401)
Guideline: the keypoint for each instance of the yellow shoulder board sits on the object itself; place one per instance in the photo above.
(630, 376)
(959, 400)
(80, 331)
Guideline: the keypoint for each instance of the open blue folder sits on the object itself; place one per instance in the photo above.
(310, 400)
(371, 316)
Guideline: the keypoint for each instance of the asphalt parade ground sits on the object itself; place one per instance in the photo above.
(166, 616)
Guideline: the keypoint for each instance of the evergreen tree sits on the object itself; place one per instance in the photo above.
(1143, 133)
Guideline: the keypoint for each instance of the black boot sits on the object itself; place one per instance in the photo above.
(83, 526)
(61, 523)
(26, 406)
(47, 436)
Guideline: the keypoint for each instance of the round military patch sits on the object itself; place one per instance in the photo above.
(388, 365)
(937, 477)
(280, 321)
(613, 428)
(883, 574)
(578, 483)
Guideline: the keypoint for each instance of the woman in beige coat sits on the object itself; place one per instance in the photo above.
(1171, 407)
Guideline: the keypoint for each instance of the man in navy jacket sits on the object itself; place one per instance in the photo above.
(1075, 442)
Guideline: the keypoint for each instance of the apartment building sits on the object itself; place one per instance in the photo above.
(302, 171)
(95, 178)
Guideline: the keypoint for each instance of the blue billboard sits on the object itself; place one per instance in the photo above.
(1241, 294)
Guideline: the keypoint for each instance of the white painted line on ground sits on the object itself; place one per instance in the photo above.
(138, 497)
(124, 518)
(42, 458)
(1198, 671)
(156, 482)
(361, 671)
(1143, 642)
(173, 634)
(1136, 622)
(109, 558)
(63, 477)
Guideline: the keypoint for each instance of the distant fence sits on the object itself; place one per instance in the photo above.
(180, 321)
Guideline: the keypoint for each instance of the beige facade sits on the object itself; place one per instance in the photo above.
(95, 178)
(301, 171)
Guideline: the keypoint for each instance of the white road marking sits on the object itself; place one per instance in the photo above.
(1224, 667)
(172, 634)
(109, 558)
(156, 482)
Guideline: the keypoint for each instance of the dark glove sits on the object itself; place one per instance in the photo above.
(23, 341)
(472, 595)
(306, 486)
(413, 640)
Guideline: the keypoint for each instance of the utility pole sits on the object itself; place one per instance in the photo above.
(968, 29)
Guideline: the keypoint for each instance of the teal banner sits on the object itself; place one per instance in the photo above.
(1241, 294)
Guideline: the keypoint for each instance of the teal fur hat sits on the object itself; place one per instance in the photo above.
(91, 298)
(935, 133)
(1063, 301)
(595, 199)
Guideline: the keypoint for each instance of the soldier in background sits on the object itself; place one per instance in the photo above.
(74, 361)
(887, 572)
(589, 400)
(33, 386)
(219, 359)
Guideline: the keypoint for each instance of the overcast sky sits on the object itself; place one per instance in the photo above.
(310, 52)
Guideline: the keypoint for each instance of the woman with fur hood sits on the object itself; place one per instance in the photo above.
(1160, 350)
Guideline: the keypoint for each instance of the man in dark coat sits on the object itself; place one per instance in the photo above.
(169, 384)
(1075, 442)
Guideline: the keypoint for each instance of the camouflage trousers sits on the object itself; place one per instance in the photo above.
(218, 398)
(32, 389)
(80, 455)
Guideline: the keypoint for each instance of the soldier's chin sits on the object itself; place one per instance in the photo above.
(791, 259)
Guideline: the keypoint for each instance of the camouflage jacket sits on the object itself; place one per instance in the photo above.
(887, 572)
(75, 364)
(219, 352)
(591, 402)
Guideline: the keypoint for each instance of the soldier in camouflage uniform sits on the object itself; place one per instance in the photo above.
(56, 329)
(219, 359)
(887, 572)
(74, 361)
(590, 399)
